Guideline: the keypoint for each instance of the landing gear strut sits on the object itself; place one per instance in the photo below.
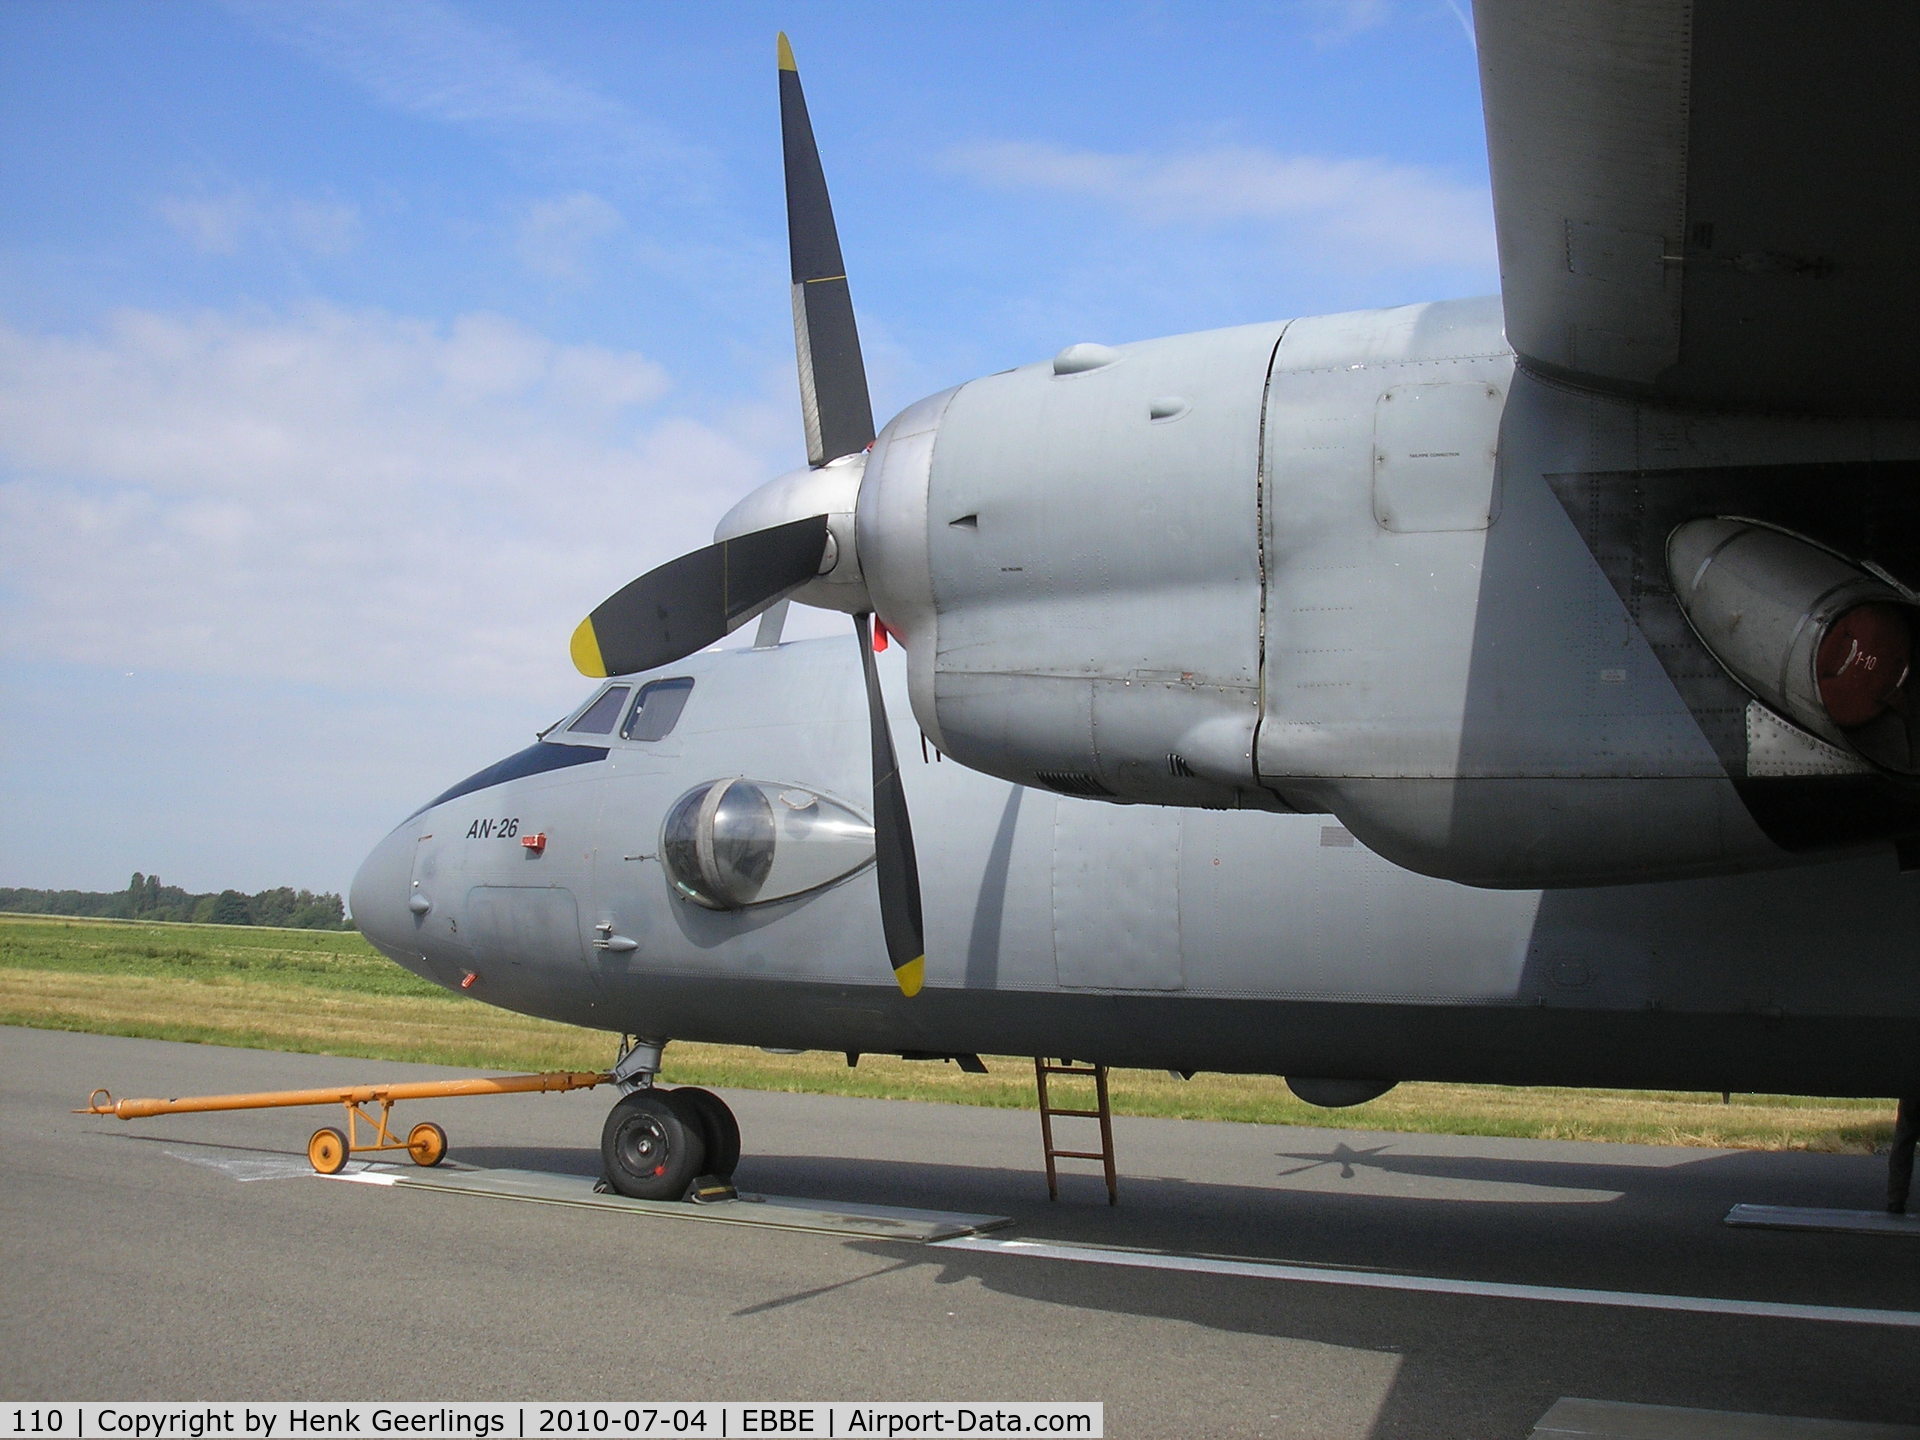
(661, 1144)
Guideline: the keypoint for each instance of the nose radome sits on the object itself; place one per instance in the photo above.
(379, 894)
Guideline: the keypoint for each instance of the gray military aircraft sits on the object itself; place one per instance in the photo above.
(1511, 690)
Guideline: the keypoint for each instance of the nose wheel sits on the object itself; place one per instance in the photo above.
(657, 1143)
(719, 1130)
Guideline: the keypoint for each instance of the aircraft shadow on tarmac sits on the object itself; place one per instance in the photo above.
(1465, 1366)
(1485, 1368)
(1462, 1365)
(1550, 1221)
(1537, 1220)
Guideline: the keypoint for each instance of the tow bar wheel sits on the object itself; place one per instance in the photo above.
(427, 1143)
(327, 1151)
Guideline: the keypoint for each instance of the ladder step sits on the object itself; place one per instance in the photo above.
(1102, 1112)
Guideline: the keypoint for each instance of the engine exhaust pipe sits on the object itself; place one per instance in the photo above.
(1820, 640)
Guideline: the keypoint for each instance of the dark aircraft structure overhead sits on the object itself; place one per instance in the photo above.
(1709, 204)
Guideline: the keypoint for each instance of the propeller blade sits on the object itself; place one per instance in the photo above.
(833, 378)
(894, 866)
(687, 604)
(839, 420)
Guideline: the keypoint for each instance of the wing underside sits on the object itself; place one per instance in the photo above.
(1715, 203)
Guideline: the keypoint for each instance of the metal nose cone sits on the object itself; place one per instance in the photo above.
(379, 897)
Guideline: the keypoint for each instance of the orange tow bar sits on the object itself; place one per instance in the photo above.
(426, 1143)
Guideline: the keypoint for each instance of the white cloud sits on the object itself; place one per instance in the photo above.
(1380, 213)
(1338, 21)
(427, 58)
(558, 237)
(1460, 14)
(211, 224)
(350, 498)
(222, 224)
(325, 227)
(1333, 23)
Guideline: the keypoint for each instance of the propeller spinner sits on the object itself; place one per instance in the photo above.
(690, 602)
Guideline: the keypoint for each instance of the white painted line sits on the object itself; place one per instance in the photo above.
(1434, 1285)
(361, 1177)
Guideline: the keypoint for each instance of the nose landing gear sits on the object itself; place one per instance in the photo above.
(660, 1144)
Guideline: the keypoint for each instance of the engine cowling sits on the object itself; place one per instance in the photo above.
(1070, 552)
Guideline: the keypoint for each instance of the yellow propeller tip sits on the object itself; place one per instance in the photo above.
(786, 55)
(585, 650)
(912, 976)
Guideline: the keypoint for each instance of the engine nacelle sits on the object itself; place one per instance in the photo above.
(1359, 565)
(1070, 552)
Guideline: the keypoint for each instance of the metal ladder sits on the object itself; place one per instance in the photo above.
(1103, 1112)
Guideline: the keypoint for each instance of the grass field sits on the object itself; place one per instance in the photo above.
(329, 992)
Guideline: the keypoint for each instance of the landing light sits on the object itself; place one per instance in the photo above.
(732, 843)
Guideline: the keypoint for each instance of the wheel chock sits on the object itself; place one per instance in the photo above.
(710, 1188)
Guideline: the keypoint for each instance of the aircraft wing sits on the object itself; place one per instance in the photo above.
(1714, 202)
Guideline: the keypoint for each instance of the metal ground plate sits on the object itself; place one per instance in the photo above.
(1846, 1222)
(1614, 1420)
(826, 1217)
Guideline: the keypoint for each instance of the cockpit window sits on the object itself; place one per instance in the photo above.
(598, 717)
(658, 709)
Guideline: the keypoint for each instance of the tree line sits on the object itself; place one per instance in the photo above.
(146, 898)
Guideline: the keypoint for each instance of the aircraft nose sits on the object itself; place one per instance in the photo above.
(379, 894)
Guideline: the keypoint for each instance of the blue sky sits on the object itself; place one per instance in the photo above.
(350, 352)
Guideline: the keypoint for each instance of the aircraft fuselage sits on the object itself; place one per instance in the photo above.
(1131, 934)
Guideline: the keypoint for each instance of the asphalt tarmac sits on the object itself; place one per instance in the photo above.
(191, 1257)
